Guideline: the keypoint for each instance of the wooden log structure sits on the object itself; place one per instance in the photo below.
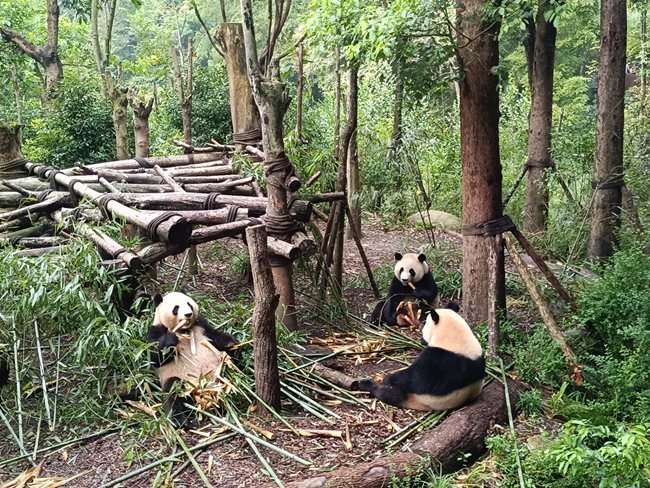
(167, 227)
(162, 161)
(443, 448)
(32, 242)
(109, 245)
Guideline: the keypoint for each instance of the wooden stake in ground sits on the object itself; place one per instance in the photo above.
(537, 297)
(267, 379)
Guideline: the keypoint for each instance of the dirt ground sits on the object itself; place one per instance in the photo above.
(233, 463)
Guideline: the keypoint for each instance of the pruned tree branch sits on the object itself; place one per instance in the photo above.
(205, 27)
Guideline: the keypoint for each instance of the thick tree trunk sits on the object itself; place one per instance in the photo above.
(608, 165)
(141, 113)
(479, 139)
(9, 144)
(337, 104)
(243, 111)
(540, 122)
(184, 90)
(351, 154)
(272, 100)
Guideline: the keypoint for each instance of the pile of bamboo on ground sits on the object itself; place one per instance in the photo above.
(176, 201)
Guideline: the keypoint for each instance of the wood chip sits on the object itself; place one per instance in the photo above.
(320, 433)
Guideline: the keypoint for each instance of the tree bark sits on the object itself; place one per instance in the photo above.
(243, 112)
(540, 122)
(479, 139)
(184, 90)
(10, 145)
(396, 134)
(141, 113)
(265, 347)
(352, 154)
(337, 104)
(16, 84)
(608, 164)
(272, 100)
(299, 90)
(47, 56)
(119, 98)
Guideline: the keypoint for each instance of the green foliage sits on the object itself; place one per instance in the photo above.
(531, 403)
(538, 359)
(79, 130)
(609, 457)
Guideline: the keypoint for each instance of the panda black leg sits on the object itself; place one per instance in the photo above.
(176, 407)
(391, 395)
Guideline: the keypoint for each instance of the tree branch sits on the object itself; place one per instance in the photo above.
(52, 24)
(207, 31)
(252, 61)
(22, 43)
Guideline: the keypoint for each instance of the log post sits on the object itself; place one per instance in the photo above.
(141, 112)
(265, 348)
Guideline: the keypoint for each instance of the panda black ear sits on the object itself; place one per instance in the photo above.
(157, 299)
(422, 258)
(398, 256)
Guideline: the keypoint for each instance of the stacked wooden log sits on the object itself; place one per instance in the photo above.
(176, 201)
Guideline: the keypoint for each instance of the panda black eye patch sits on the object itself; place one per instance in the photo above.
(412, 272)
(400, 270)
(191, 307)
(175, 310)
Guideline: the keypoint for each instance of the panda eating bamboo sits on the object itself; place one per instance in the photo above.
(447, 374)
(185, 348)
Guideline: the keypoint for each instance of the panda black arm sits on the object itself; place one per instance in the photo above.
(165, 341)
(426, 289)
(220, 340)
(397, 293)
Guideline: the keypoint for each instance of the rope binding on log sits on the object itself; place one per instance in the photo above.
(143, 162)
(102, 203)
(52, 177)
(534, 163)
(490, 227)
(42, 196)
(252, 136)
(116, 254)
(616, 181)
(152, 227)
(232, 213)
(281, 226)
(211, 201)
(279, 165)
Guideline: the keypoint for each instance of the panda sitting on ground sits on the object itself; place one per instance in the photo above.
(447, 374)
(412, 280)
(182, 349)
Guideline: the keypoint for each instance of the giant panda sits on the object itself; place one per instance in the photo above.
(181, 350)
(412, 280)
(447, 374)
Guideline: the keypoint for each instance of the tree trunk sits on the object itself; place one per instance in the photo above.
(47, 56)
(299, 91)
(479, 139)
(9, 144)
(243, 111)
(351, 154)
(16, 84)
(608, 164)
(185, 90)
(265, 347)
(396, 135)
(272, 100)
(337, 105)
(141, 113)
(540, 122)
(644, 52)
(119, 98)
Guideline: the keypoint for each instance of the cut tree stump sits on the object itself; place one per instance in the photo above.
(463, 431)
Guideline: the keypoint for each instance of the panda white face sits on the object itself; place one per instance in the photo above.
(174, 308)
(410, 267)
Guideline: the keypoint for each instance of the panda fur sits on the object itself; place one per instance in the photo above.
(447, 374)
(410, 268)
(172, 353)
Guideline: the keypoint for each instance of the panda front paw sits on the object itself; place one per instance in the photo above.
(364, 385)
(168, 340)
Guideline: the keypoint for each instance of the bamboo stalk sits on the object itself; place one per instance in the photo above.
(192, 459)
(41, 367)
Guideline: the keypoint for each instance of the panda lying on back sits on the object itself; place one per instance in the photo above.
(447, 374)
(412, 279)
(182, 349)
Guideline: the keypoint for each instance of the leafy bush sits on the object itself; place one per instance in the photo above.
(615, 311)
(80, 129)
